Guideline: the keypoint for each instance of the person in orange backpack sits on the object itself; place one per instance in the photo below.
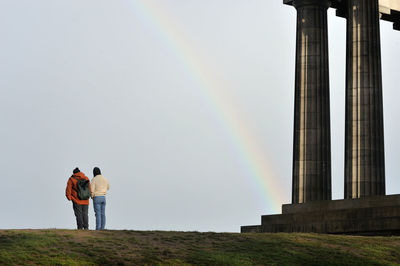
(78, 191)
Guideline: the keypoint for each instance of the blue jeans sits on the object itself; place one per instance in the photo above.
(99, 204)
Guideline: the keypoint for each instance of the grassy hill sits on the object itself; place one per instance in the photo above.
(69, 247)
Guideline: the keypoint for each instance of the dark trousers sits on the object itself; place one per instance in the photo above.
(81, 214)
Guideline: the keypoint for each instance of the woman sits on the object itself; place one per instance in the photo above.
(99, 189)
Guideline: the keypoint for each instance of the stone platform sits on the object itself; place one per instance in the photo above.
(377, 215)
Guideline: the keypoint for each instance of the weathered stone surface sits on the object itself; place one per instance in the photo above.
(365, 210)
(368, 202)
(311, 144)
(389, 10)
(378, 215)
(364, 139)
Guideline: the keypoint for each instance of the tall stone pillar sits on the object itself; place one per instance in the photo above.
(364, 144)
(311, 147)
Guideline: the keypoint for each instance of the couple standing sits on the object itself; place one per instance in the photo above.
(80, 189)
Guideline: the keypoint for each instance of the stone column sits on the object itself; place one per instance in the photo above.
(364, 143)
(312, 144)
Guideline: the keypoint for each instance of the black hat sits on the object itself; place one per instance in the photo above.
(76, 170)
(96, 171)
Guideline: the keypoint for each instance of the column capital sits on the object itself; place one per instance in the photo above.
(312, 3)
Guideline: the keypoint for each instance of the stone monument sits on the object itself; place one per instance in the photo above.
(366, 209)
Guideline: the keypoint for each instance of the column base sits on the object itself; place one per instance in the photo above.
(377, 215)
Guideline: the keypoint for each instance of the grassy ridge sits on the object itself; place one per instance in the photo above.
(70, 247)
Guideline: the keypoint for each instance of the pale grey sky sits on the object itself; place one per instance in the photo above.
(106, 83)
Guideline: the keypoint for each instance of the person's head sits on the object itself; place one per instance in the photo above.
(96, 171)
(76, 170)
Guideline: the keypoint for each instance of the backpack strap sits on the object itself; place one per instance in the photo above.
(79, 179)
(75, 186)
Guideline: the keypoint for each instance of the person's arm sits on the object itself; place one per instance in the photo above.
(108, 185)
(92, 186)
(68, 189)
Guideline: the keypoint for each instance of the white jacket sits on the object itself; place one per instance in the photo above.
(99, 186)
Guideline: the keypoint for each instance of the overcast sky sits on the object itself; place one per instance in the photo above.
(157, 93)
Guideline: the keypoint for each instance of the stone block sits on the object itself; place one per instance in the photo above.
(378, 215)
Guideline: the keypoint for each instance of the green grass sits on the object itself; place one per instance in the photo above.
(71, 247)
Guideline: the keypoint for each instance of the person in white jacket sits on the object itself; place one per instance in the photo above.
(99, 187)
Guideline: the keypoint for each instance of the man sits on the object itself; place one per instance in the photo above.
(80, 206)
(99, 190)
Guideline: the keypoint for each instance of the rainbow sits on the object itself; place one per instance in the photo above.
(217, 94)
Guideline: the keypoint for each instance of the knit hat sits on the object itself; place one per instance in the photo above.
(96, 171)
(76, 170)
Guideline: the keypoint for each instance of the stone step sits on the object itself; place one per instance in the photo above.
(368, 216)
(312, 206)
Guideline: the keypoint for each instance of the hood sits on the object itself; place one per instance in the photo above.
(80, 175)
